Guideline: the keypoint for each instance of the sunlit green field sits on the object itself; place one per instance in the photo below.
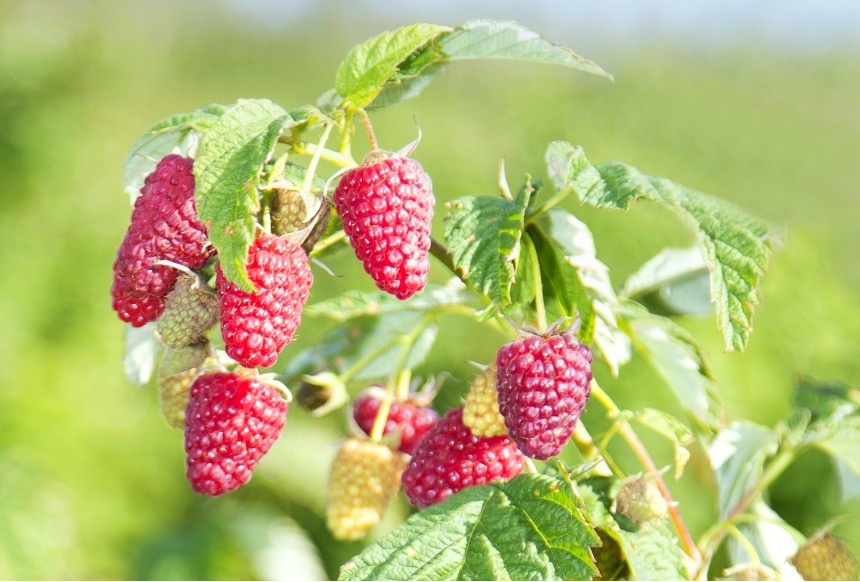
(92, 479)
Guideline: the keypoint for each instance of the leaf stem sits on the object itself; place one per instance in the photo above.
(550, 202)
(368, 127)
(540, 309)
(641, 452)
(310, 149)
(312, 166)
(583, 441)
(346, 134)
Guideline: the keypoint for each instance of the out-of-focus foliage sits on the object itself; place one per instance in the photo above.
(91, 478)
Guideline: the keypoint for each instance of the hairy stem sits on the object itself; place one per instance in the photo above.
(583, 441)
(368, 127)
(346, 134)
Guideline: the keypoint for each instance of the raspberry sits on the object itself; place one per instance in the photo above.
(184, 358)
(288, 211)
(386, 207)
(257, 326)
(543, 384)
(230, 423)
(825, 557)
(164, 226)
(451, 458)
(481, 409)
(136, 311)
(190, 311)
(641, 501)
(409, 417)
(364, 477)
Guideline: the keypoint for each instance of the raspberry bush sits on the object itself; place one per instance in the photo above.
(232, 204)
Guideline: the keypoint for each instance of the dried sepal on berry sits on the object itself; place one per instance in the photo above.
(364, 478)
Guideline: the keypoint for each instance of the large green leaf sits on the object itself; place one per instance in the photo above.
(575, 241)
(351, 304)
(736, 246)
(738, 455)
(369, 65)
(173, 134)
(679, 359)
(649, 552)
(227, 167)
(529, 528)
(476, 39)
(483, 233)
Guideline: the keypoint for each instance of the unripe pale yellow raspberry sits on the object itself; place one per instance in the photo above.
(481, 409)
(364, 477)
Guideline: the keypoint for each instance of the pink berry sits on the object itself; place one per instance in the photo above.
(230, 423)
(451, 458)
(136, 311)
(386, 207)
(543, 384)
(409, 417)
(257, 326)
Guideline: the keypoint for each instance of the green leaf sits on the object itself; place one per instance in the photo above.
(141, 351)
(354, 303)
(738, 454)
(173, 134)
(227, 167)
(736, 246)
(529, 528)
(483, 234)
(673, 282)
(412, 76)
(669, 427)
(599, 304)
(564, 293)
(839, 438)
(679, 359)
(368, 66)
(369, 347)
(651, 552)
(769, 535)
(483, 39)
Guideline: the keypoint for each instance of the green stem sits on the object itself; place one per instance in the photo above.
(346, 134)
(550, 202)
(312, 166)
(641, 452)
(309, 149)
(540, 309)
(583, 441)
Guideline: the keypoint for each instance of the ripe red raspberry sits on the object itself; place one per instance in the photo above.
(409, 417)
(230, 423)
(386, 207)
(543, 384)
(136, 311)
(257, 326)
(451, 458)
(164, 226)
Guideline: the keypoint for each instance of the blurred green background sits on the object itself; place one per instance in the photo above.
(755, 104)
